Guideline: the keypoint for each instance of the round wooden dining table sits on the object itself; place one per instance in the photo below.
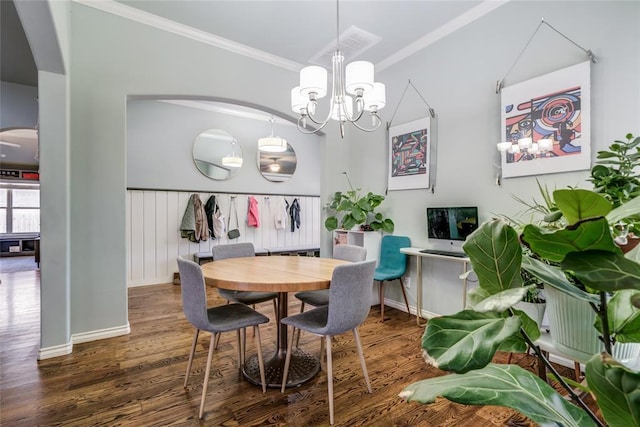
(282, 274)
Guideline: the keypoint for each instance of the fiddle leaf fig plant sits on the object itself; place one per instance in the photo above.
(581, 260)
(350, 209)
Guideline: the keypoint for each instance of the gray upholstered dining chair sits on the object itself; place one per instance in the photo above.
(320, 297)
(348, 307)
(238, 250)
(224, 318)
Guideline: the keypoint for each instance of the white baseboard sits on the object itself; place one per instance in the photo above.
(55, 351)
(64, 349)
(401, 306)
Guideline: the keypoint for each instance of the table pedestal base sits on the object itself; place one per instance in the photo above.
(303, 367)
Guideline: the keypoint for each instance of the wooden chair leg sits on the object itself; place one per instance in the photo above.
(287, 361)
(577, 371)
(298, 332)
(382, 300)
(404, 294)
(206, 377)
(263, 379)
(330, 379)
(193, 350)
(363, 365)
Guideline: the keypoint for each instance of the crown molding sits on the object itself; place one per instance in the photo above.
(450, 27)
(168, 25)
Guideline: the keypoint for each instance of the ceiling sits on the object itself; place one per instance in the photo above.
(290, 34)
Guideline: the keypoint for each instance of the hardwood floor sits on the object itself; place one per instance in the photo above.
(136, 380)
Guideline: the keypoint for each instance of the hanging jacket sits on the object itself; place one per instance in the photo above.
(281, 214)
(194, 221)
(253, 217)
(210, 209)
(294, 214)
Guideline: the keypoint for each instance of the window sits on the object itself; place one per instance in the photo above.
(19, 210)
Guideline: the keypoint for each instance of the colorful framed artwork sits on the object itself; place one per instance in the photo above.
(554, 108)
(409, 158)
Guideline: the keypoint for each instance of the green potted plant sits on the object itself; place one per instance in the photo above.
(533, 303)
(350, 208)
(591, 267)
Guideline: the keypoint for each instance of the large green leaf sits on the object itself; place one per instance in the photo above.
(502, 385)
(495, 254)
(624, 318)
(604, 271)
(476, 295)
(554, 277)
(630, 208)
(466, 340)
(555, 245)
(635, 300)
(502, 300)
(528, 324)
(617, 390)
(577, 204)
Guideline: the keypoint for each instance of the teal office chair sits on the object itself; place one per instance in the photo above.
(392, 266)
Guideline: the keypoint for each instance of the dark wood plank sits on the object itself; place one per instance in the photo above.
(136, 380)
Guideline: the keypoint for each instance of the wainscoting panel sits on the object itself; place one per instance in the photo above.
(153, 230)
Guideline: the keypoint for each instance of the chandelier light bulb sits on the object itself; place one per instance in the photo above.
(313, 82)
(504, 146)
(545, 144)
(359, 77)
(525, 143)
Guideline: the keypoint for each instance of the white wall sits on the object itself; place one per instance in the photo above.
(153, 230)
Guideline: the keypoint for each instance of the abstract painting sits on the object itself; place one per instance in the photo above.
(556, 107)
(409, 146)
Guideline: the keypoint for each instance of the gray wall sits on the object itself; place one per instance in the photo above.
(457, 76)
(160, 137)
(113, 58)
(18, 106)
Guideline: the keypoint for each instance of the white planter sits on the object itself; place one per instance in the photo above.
(533, 310)
(572, 331)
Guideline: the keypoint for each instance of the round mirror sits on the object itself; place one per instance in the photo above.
(277, 167)
(217, 154)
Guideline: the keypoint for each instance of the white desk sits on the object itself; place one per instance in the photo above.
(419, 256)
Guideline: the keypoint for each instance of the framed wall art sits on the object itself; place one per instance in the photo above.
(554, 111)
(409, 158)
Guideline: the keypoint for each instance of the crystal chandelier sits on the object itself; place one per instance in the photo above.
(357, 79)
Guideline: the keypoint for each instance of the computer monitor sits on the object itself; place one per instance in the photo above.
(451, 223)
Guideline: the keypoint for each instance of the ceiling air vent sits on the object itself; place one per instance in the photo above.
(353, 42)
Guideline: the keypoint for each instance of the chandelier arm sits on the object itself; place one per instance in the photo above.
(354, 119)
(373, 129)
(318, 122)
(309, 132)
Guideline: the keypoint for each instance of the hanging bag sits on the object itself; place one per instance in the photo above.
(235, 232)
(218, 224)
